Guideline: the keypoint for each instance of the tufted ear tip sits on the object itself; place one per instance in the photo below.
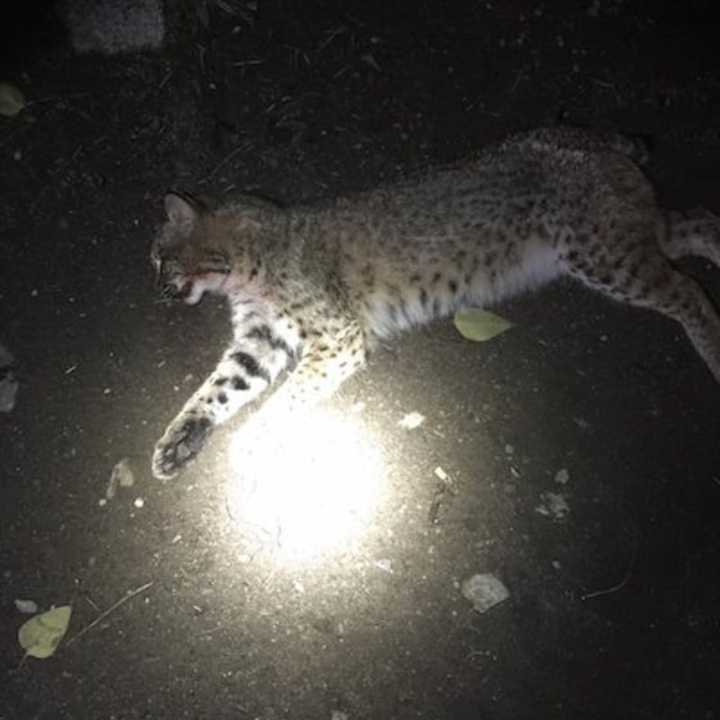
(180, 210)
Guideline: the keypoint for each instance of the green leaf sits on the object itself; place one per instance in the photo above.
(480, 325)
(41, 634)
(11, 100)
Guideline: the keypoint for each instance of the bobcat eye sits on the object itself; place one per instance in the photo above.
(215, 262)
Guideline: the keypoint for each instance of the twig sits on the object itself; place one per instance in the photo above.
(165, 80)
(91, 602)
(607, 86)
(241, 148)
(333, 34)
(128, 596)
(251, 61)
(518, 78)
(619, 585)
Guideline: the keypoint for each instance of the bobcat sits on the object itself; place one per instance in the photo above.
(312, 288)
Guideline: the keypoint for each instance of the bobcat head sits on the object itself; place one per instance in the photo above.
(227, 249)
(187, 262)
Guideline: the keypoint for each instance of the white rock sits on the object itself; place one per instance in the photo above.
(29, 607)
(484, 591)
(121, 475)
(554, 505)
(412, 420)
(384, 564)
(562, 477)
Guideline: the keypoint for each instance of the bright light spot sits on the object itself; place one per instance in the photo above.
(310, 483)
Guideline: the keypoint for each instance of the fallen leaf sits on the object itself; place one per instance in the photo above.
(12, 100)
(41, 635)
(480, 325)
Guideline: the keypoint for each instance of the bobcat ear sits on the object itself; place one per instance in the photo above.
(180, 211)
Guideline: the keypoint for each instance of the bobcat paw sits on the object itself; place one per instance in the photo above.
(181, 442)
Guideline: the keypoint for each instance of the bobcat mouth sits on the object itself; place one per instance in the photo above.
(172, 291)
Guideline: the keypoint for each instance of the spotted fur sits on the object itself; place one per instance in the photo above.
(312, 288)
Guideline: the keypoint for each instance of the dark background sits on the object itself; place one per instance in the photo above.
(309, 100)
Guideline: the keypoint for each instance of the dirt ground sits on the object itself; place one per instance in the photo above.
(580, 448)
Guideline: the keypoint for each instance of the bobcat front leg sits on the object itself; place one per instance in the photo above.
(324, 366)
(247, 368)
